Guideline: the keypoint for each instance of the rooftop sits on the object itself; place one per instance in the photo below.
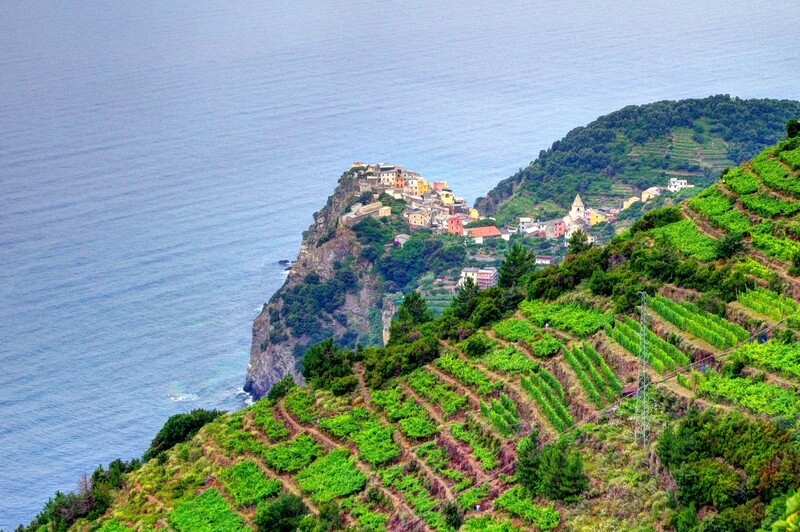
(489, 230)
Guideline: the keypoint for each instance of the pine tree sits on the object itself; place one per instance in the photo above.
(528, 462)
(561, 472)
(519, 261)
(792, 128)
(468, 292)
(578, 242)
(573, 481)
(414, 309)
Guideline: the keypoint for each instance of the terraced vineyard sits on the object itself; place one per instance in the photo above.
(768, 303)
(389, 462)
(663, 356)
(756, 195)
(449, 433)
(596, 378)
(717, 331)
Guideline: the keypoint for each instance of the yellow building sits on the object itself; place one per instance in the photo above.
(650, 193)
(446, 196)
(423, 186)
(419, 219)
(628, 202)
(596, 218)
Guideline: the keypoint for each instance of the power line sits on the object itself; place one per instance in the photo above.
(642, 432)
(412, 525)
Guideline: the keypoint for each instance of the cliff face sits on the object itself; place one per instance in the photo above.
(276, 349)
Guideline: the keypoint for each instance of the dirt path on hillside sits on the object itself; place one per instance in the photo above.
(472, 397)
(525, 405)
(365, 468)
(702, 223)
(464, 450)
(358, 369)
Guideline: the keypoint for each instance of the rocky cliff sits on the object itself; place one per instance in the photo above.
(327, 245)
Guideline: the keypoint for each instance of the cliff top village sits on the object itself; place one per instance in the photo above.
(433, 205)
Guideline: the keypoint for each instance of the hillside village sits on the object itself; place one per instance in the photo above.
(582, 218)
(433, 205)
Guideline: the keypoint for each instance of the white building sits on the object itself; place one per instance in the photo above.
(577, 212)
(483, 277)
(676, 185)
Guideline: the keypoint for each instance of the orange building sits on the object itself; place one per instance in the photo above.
(479, 234)
(399, 179)
(455, 225)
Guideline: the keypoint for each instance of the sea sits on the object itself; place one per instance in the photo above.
(157, 160)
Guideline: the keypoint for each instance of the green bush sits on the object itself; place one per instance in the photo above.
(178, 429)
(280, 388)
(282, 515)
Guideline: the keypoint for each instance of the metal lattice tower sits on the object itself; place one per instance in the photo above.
(642, 433)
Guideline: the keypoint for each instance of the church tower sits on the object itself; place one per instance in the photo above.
(578, 211)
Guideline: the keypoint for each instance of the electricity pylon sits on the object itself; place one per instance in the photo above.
(642, 432)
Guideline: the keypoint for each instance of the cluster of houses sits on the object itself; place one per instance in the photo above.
(674, 185)
(431, 205)
(578, 218)
(581, 218)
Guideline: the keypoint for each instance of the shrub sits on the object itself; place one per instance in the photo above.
(282, 515)
(280, 388)
(178, 429)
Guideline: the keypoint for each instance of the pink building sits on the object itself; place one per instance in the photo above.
(455, 226)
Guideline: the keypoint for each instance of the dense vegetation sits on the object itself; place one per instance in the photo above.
(638, 147)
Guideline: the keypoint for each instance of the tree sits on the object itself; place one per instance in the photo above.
(730, 246)
(282, 515)
(280, 388)
(578, 242)
(452, 515)
(461, 303)
(528, 459)
(561, 472)
(330, 516)
(486, 222)
(414, 309)
(487, 311)
(792, 128)
(178, 429)
(790, 520)
(326, 365)
(519, 261)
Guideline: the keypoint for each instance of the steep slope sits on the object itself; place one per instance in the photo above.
(627, 151)
(606, 161)
(350, 293)
(519, 415)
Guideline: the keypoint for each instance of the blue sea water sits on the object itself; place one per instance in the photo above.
(157, 160)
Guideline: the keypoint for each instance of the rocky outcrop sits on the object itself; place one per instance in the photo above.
(276, 349)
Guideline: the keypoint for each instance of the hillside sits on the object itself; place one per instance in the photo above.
(510, 412)
(630, 150)
(345, 283)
